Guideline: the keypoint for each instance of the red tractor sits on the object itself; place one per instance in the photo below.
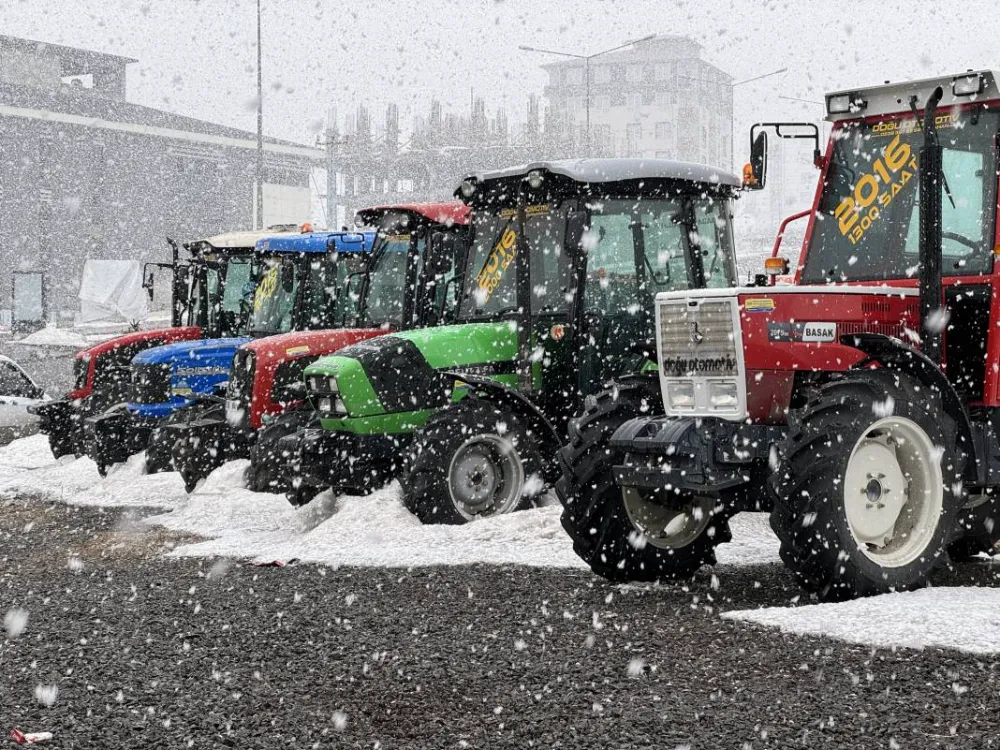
(859, 404)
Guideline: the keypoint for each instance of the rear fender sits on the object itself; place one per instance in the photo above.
(896, 355)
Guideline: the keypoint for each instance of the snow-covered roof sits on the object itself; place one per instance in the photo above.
(619, 170)
(247, 238)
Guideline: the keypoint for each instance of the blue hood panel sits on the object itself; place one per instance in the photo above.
(196, 368)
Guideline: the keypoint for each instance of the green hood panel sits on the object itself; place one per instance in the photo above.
(402, 372)
(448, 347)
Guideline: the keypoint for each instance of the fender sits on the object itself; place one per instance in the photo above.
(898, 355)
(515, 401)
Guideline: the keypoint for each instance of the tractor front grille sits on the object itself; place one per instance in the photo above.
(150, 384)
(696, 337)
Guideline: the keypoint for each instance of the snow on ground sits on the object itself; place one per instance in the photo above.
(365, 531)
(967, 619)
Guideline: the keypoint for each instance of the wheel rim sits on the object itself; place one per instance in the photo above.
(663, 527)
(485, 477)
(893, 491)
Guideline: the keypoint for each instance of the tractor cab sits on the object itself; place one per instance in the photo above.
(574, 252)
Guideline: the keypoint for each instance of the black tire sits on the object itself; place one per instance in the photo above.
(159, 449)
(979, 526)
(188, 470)
(299, 492)
(594, 513)
(64, 440)
(810, 489)
(268, 469)
(470, 431)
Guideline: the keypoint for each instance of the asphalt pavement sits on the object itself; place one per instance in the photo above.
(119, 646)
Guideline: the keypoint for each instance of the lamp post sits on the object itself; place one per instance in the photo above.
(732, 125)
(586, 65)
(259, 176)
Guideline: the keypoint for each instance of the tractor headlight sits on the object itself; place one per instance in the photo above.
(723, 395)
(680, 394)
(331, 384)
(331, 405)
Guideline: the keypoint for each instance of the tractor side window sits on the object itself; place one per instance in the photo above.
(965, 248)
(612, 283)
(551, 286)
(239, 285)
(716, 242)
(387, 282)
(666, 256)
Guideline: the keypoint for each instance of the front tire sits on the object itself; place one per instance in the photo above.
(869, 486)
(269, 469)
(623, 533)
(471, 461)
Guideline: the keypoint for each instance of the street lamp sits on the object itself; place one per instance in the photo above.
(586, 60)
(259, 177)
(732, 125)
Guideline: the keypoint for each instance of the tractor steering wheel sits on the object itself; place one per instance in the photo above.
(960, 239)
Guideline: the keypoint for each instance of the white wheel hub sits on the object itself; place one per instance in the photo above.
(893, 491)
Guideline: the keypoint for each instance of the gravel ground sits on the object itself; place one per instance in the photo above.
(157, 652)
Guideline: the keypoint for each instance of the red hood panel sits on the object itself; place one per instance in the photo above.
(309, 343)
(166, 335)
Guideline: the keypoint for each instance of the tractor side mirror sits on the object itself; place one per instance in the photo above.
(577, 223)
(755, 173)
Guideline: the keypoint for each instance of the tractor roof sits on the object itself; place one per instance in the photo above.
(894, 98)
(317, 242)
(244, 238)
(448, 213)
(603, 171)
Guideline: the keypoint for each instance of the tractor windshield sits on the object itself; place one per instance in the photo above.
(868, 223)
(302, 290)
(491, 285)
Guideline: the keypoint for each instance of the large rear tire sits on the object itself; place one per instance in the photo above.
(624, 534)
(471, 461)
(869, 486)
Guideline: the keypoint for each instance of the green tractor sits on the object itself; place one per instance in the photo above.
(566, 258)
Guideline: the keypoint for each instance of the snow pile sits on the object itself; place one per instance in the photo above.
(55, 337)
(365, 531)
(967, 619)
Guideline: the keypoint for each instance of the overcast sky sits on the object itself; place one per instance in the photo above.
(197, 57)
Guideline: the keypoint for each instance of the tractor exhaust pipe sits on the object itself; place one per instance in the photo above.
(931, 183)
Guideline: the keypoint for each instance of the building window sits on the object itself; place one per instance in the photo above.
(664, 132)
(634, 101)
(574, 75)
(633, 133)
(662, 154)
(602, 135)
(662, 100)
(602, 74)
(633, 74)
(618, 99)
(602, 103)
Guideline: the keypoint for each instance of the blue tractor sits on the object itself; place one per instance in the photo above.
(293, 285)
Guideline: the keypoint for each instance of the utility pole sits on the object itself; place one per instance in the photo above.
(259, 176)
(586, 66)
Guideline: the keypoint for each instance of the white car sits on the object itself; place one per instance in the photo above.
(17, 393)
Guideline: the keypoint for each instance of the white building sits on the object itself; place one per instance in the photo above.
(656, 99)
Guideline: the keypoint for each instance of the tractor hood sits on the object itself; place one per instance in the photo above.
(209, 353)
(404, 372)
